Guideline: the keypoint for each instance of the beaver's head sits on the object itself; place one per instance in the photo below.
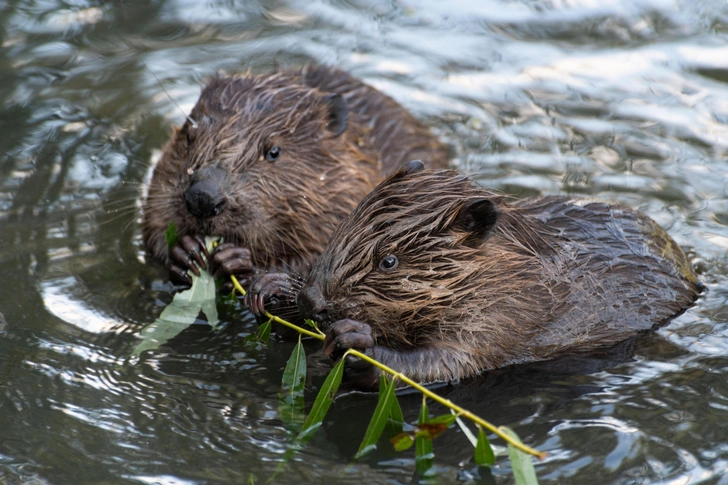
(405, 254)
(259, 157)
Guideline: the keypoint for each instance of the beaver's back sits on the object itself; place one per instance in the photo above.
(440, 279)
(621, 271)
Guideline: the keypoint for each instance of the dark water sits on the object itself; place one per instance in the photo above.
(622, 99)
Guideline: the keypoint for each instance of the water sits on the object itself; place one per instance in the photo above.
(621, 99)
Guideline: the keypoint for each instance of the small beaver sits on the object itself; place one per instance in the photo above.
(272, 163)
(441, 279)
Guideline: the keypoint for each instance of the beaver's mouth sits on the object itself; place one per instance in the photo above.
(341, 311)
(222, 227)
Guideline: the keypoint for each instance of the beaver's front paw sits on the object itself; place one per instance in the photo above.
(347, 334)
(186, 256)
(229, 259)
(273, 288)
(350, 334)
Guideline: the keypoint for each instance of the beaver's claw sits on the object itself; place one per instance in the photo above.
(269, 288)
(229, 259)
(186, 256)
(347, 334)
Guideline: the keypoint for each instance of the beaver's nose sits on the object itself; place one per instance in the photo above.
(312, 304)
(204, 198)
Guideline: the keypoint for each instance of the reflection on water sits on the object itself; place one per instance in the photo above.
(624, 100)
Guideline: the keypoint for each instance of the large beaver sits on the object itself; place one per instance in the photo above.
(272, 163)
(440, 279)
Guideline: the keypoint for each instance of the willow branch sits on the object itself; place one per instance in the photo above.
(398, 375)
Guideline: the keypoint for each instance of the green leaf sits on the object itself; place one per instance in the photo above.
(264, 332)
(379, 418)
(466, 431)
(423, 446)
(311, 323)
(322, 403)
(181, 313)
(294, 374)
(396, 419)
(171, 235)
(183, 310)
(403, 441)
(521, 463)
(484, 455)
(260, 338)
(446, 419)
(290, 401)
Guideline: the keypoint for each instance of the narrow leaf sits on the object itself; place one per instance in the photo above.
(484, 455)
(379, 418)
(396, 419)
(306, 434)
(423, 446)
(322, 403)
(466, 431)
(311, 323)
(290, 401)
(264, 332)
(446, 419)
(260, 337)
(521, 463)
(171, 235)
(289, 453)
(294, 374)
(402, 441)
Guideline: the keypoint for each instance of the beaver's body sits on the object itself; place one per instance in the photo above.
(441, 279)
(272, 163)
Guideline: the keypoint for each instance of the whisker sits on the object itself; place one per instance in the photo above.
(117, 215)
(192, 122)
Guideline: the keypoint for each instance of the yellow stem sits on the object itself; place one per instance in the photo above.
(319, 335)
(237, 286)
(398, 375)
(448, 403)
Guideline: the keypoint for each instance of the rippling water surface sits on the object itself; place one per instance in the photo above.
(622, 99)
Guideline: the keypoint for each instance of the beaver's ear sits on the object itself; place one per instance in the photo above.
(412, 167)
(338, 114)
(478, 217)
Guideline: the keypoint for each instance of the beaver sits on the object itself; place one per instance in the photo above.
(441, 279)
(272, 163)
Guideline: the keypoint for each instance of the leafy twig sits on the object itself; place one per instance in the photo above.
(501, 432)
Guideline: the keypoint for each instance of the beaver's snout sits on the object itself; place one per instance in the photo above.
(204, 197)
(312, 304)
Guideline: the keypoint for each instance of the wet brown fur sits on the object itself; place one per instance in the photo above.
(283, 211)
(557, 274)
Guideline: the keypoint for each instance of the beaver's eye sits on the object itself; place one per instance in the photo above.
(273, 154)
(388, 263)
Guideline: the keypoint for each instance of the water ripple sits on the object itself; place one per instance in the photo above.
(623, 100)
